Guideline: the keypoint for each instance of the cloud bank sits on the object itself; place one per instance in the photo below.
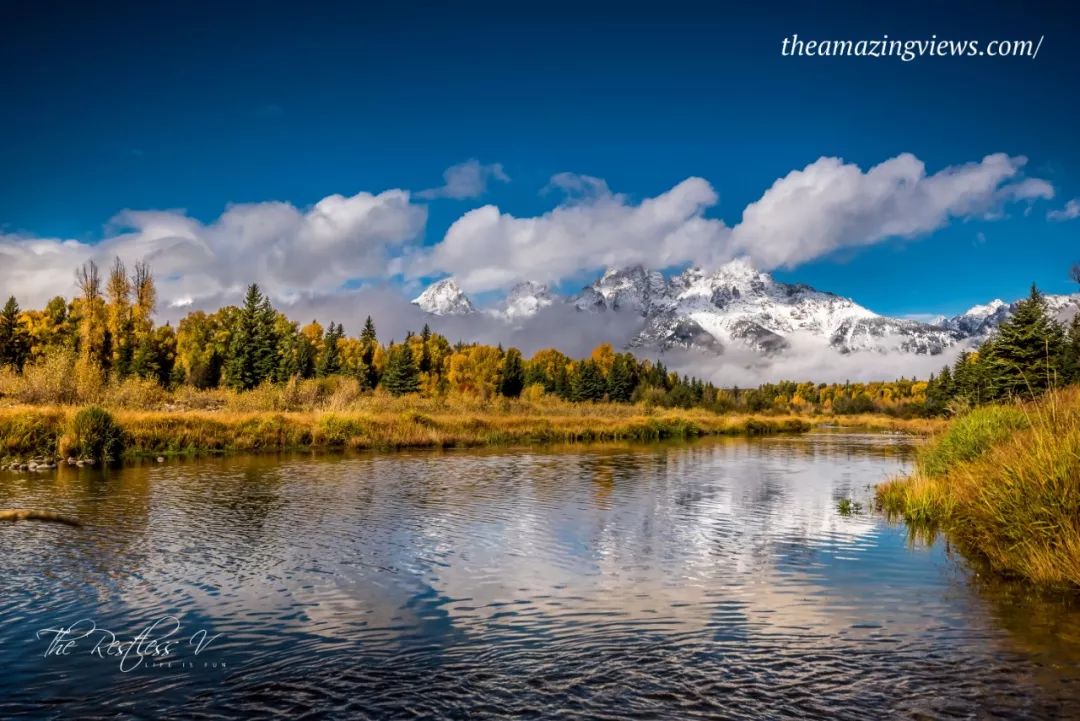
(827, 206)
(286, 250)
(310, 261)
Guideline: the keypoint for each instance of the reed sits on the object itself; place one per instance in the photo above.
(381, 423)
(1003, 483)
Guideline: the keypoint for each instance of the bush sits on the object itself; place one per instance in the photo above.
(92, 433)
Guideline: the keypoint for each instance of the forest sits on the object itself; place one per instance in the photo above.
(73, 351)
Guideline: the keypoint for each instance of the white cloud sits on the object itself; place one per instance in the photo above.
(486, 249)
(1069, 212)
(466, 180)
(830, 205)
(827, 206)
(286, 250)
(294, 253)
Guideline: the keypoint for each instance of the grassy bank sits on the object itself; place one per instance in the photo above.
(53, 432)
(1003, 483)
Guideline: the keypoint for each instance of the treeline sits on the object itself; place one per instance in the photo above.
(107, 331)
(107, 334)
(1029, 354)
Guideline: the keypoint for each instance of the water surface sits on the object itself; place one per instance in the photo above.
(707, 580)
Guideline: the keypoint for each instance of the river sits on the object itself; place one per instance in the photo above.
(713, 579)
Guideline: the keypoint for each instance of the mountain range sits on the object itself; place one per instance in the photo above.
(738, 307)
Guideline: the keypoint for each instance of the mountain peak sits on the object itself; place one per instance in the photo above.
(987, 309)
(525, 299)
(444, 297)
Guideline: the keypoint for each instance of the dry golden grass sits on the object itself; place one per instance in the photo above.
(337, 413)
(381, 423)
(1004, 484)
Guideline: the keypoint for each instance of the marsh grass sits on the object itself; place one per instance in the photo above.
(336, 413)
(1003, 483)
(380, 424)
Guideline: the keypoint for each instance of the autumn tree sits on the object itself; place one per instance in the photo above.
(119, 319)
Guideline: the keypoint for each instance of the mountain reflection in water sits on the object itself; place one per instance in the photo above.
(713, 579)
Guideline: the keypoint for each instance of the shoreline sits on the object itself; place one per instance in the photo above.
(45, 433)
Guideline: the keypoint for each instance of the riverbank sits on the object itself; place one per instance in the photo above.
(1003, 484)
(370, 422)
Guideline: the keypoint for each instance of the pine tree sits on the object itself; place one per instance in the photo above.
(330, 362)
(305, 357)
(1024, 355)
(587, 383)
(368, 334)
(1070, 354)
(266, 341)
(425, 351)
(620, 380)
(370, 342)
(512, 377)
(401, 375)
(14, 340)
(250, 357)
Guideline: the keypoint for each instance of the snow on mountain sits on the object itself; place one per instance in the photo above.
(635, 289)
(444, 297)
(980, 321)
(737, 306)
(524, 300)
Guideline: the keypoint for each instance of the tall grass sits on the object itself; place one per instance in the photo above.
(46, 431)
(337, 413)
(1003, 483)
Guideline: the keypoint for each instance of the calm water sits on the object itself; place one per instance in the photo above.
(711, 580)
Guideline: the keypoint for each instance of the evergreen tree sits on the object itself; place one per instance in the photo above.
(266, 341)
(14, 340)
(425, 351)
(588, 382)
(1070, 354)
(330, 362)
(370, 342)
(1024, 355)
(367, 335)
(251, 352)
(621, 381)
(938, 392)
(401, 376)
(305, 357)
(512, 378)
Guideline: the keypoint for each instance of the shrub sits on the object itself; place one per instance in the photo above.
(92, 433)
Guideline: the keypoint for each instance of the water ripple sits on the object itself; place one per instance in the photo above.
(708, 580)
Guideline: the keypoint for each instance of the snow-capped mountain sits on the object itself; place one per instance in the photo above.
(738, 307)
(524, 300)
(444, 297)
(980, 321)
(741, 306)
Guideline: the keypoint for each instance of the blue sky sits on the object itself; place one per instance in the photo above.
(127, 106)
